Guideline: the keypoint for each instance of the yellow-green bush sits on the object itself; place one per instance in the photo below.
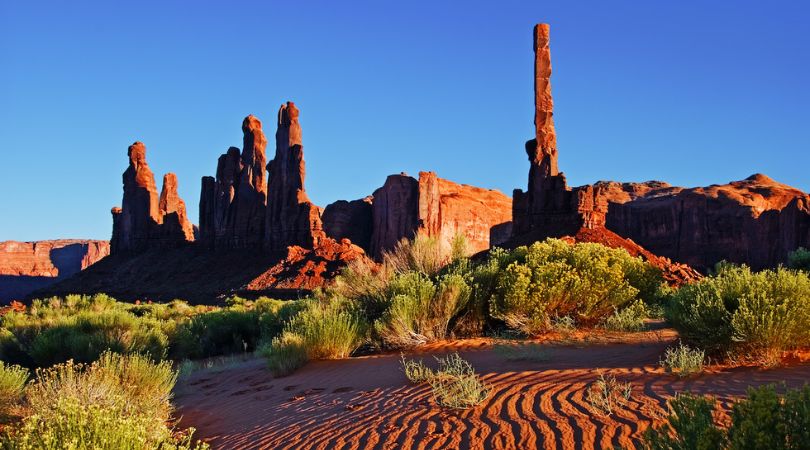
(750, 314)
(117, 402)
(585, 281)
(12, 381)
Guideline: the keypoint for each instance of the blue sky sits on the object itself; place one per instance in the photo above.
(689, 92)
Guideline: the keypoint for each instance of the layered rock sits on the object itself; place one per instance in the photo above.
(139, 223)
(350, 220)
(26, 266)
(292, 220)
(431, 206)
(246, 217)
(756, 221)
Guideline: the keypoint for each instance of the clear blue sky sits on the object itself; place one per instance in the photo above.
(690, 92)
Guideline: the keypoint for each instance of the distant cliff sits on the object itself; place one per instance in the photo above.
(28, 266)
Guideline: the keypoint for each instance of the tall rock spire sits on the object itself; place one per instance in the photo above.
(176, 226)
(246, 215)
(542, 150)
(291, 218)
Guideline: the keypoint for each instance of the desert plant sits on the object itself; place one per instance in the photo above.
(763, 420)
(285, 354)
(607, 393)
(456, 385)
(631, 318)
(416, 371)
(118, 402)
(799, 259)
(752, 315)
(420, 310)
(329, 328)
(585, 281)
(423, 254)
(690, 427)
(12, 381)
(683, 360)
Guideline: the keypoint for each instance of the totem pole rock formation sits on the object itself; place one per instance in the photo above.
(139, 223)
(756, 221)
(291, 218)
(247, 218)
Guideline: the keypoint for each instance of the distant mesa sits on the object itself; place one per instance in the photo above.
(260, 234)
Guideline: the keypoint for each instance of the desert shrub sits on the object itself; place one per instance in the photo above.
(331, 328)
(117, 402)
(683, 360)
(454, 384)
(285, 354)
(690, 427)
(224, 331)
(416, 371)
(799, 259)
(423, 254)
(553, 278)
(12, 381)
(764, 419)
(420, 309)
(607, 393)
(631, 318)
(755, 315)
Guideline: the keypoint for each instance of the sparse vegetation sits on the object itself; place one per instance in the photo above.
(117, 402)
(763, 420)
(454, 384)
(285, 354)
(799, 259)
(607, 393)
(12, 381)
(683, 360)
(631, 318)
(745, 314)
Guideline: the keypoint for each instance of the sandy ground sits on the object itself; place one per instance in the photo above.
(367, 402)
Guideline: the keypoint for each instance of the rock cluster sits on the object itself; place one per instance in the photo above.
(145, 220)
(432, 206)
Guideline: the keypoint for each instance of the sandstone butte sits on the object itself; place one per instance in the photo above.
(27, 266)
(260, 234)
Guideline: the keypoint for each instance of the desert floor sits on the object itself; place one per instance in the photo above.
(366, 402)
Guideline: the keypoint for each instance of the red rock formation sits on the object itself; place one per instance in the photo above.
(756, 221)
(26, 266)
(395, 213)
(246, 216)
(175, 224)
(291, 218)
(350, 220)
(447, 209)
(139, 223)
(139, 214)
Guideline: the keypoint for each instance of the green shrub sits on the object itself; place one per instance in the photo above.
(585, 281)
(118, 402)
(631, 318)
(764, 420)
(607, 393)
(423, 254)
(420, 310)
(755, 315)
(416, 371)
(683, 360)
(690, 427)
(454, 384)
(12, 381)
(285, 354)
(799, 259)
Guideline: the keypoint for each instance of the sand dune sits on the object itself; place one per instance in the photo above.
(366, 402)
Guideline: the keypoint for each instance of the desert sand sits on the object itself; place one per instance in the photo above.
(366, 402)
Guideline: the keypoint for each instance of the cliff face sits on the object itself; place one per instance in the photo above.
(27, 266)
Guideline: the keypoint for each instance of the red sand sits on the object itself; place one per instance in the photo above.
(367, 402)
